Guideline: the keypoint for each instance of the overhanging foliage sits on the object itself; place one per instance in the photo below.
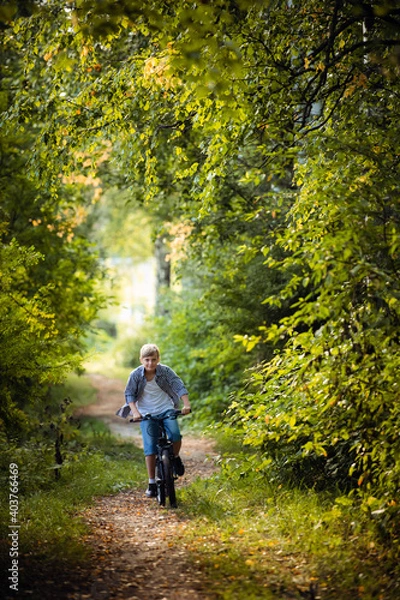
(268, 131)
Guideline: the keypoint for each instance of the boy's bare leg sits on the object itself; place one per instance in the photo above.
(176, 447)
(151, 465)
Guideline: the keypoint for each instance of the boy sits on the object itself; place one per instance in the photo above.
(155, 389)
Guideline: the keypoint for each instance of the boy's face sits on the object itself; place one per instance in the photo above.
(150, 362)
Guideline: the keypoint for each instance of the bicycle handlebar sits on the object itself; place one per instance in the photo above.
(149, 417)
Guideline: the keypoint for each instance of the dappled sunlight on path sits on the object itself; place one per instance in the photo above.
(137, 552)
(136, 549)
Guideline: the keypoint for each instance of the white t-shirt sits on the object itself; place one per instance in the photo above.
(154, 400)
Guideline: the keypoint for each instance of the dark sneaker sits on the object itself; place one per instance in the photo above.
(151, 491)
(179, 467)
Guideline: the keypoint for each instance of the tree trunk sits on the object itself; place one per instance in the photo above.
(163, 274)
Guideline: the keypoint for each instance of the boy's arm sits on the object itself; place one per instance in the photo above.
(131, 393)
(136, 414)
(174, 382)
(186, 404)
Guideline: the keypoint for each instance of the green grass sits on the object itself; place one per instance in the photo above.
(255, 540)
(47, 515)
(51, 534)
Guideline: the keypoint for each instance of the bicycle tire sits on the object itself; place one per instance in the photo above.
(169, 478)
(160, 478)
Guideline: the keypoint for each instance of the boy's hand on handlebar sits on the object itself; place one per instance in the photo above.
(186, 410)
(136, 416)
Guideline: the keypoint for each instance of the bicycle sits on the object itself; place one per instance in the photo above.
(165, 475)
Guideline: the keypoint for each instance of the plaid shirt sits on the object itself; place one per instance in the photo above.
(165, 378)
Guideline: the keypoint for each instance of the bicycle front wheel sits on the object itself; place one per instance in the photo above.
(160, 479)
(169, 478)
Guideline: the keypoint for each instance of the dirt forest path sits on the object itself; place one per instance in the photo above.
(130, 534)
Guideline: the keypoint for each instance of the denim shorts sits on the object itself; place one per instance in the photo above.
(150, 432)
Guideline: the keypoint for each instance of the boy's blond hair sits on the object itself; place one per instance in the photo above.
(149, 350)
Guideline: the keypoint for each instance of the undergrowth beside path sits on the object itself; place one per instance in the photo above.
(256, 540)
